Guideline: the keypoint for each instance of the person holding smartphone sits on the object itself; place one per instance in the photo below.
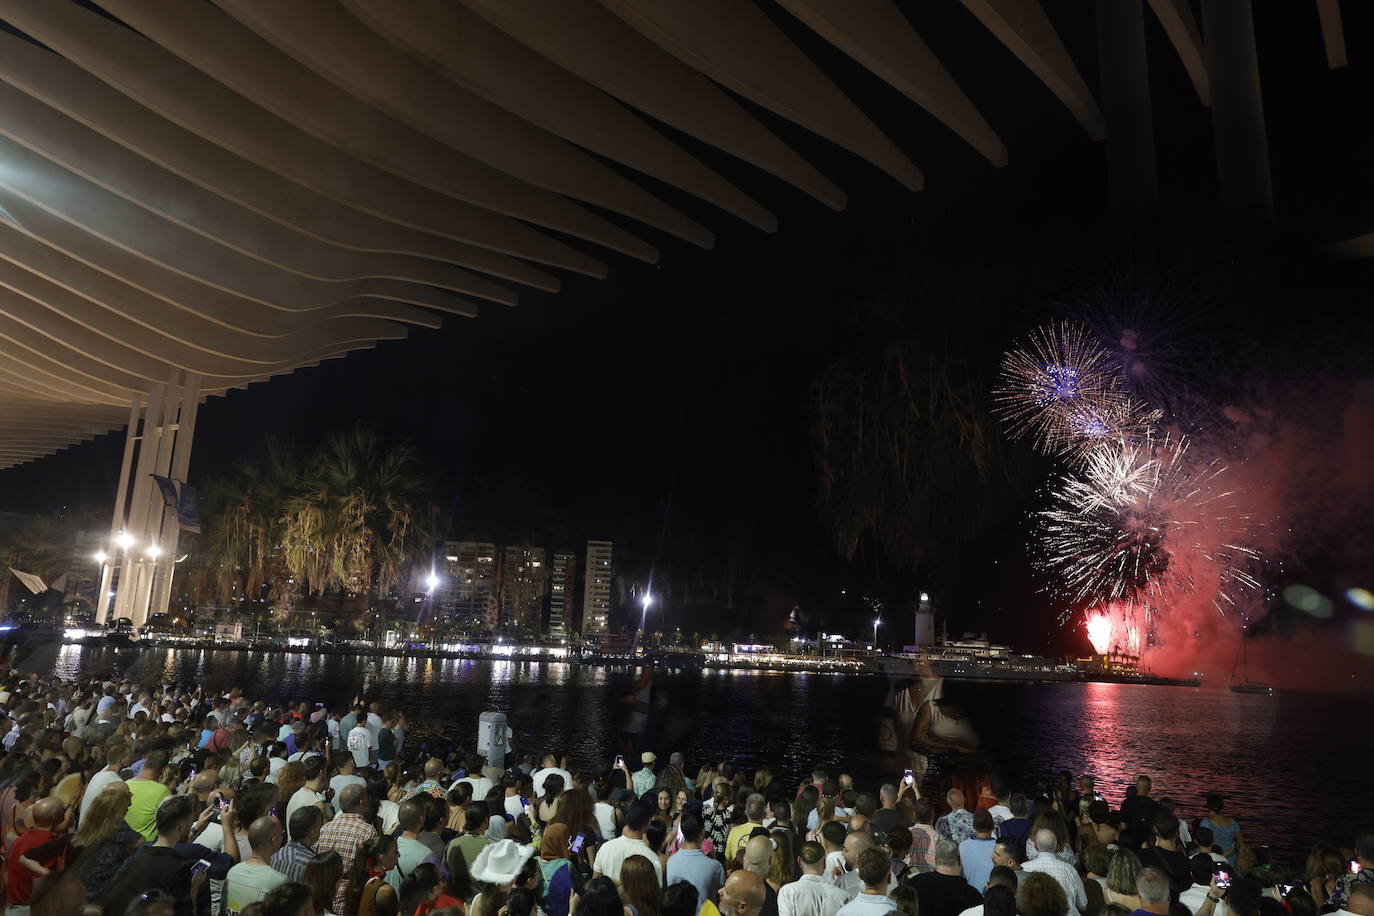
(1361, 870)
(556, 864)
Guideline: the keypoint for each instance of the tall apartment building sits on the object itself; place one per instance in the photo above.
(596, 593)
(524, 583)
(468, 594)
(562, 583)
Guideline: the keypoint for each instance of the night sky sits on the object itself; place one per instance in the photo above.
(679, 391)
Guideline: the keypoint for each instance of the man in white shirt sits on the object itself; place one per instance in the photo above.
(117, 759)
(1059, 870)
(613, 853)
(850, 880)
(875, 871)
(1001, 811)
(1201, 866)
(312, 793)
(361, 744)
(481, 785)
(813, 894)
(347, 775)
(550, 768)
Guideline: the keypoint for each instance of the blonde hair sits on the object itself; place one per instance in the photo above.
(103, 818)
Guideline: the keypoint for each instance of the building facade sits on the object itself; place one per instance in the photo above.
(524, 584)
(596, 592)
(468, 596)
(562, 585)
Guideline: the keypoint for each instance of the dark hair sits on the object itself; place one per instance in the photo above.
(553, 787)
(638, 814)
(908, 904)
(1215, 802)
(520, 902)
(303, 820)
(322, 875)
(1012, 848)
(1244, 895)
(370, 849)
(1017, 804)
(475, 816)
(286, 899)
(1204, 837)
(172, 812)
(1301, 903)
(875, 868)
(1166, 826)
(679, 899)
(999, 900)
(313, 766)
(982, 821)
(655, 833)
(417, 885)
(600, 898)
(833, 832)
(924, 810)
(1098, 812)
(691, 826)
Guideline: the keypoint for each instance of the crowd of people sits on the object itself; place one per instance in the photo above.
(151, 800)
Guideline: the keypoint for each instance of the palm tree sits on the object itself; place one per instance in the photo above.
(358, 519)
(245, 523)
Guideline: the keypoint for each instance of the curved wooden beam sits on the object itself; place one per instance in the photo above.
(181, 291)
(1024, 28)
(1176, 16)
(64, 87)
(481, 58)
(591, 42)
(877, 35)
(181, 93)
(102, 162)
(128, 226)
(739, 47)
(322, 36)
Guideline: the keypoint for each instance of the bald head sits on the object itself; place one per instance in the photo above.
(204, 781)
(854, 845)
(758, 854)
(1046, 841)
(265, 836)
(955, 797)
(48, 811)
(433, 767)
(742, 895)
(1361, 900)
(351, 798)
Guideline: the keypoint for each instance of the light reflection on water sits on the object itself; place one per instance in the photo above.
(1272, 757)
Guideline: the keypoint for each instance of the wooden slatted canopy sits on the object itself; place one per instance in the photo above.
(236, 189)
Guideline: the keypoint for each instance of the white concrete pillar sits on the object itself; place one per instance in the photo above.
(156, 510)
(138, 503)
(181, 463)
(118, 517)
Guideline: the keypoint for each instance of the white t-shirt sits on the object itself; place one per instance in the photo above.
(247, 884)
(1005, 814)
(541, 775)
(274, 765)
(613, 853)
(360, 743)
(605, 819)
(338, 783)
(97, 785)
(481, 785)
(304, 796)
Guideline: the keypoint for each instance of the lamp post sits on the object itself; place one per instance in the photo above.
(647, 600)
(876, 621)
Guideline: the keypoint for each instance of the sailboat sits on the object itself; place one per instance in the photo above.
(1247, 685)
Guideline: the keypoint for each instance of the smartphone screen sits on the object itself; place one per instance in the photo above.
(222, 803)
(619, 760)
(1354, 866)
(907, 778)
(200, 866)
(1223, 879)
(577, 842)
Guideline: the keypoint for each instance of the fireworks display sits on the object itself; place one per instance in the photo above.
(1144, 521)
(1141, 520)
(1060, 388)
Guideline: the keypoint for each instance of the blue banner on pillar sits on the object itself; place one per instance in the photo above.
(188, 509)
(168, 486)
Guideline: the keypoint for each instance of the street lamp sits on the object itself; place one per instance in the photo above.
(876, 621)
(125, 540)
(432, 581)
(154, 551)
(647, 600)
(101, 556)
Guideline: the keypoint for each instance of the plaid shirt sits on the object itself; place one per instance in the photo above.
(345, 834)
(923, 838)
(292, 858)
